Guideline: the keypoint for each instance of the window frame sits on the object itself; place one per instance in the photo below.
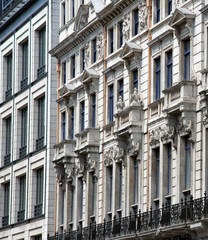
(94, 50)
(187, 163)
(169, 68)
(157, 78)
(136, 181)
(82, 116)
(187, 59)
(111, 102)
(111, 40)
(93, 110)
(135, 21)
(73, 68)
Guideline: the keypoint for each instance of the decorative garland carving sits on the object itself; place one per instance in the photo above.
(143, 15)
(126, 27)
(87, 54)
(114, 153)
(100, 47)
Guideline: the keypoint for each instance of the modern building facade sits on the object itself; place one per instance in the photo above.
(27, 118)
(131, 155)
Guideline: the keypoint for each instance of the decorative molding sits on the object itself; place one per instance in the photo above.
(143, 16)
(133, 148)
(136, 99)
(100, 46)
(120, 104)
(126, 27)
(114, 153)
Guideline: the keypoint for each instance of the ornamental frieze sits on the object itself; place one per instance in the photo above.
(114, 153)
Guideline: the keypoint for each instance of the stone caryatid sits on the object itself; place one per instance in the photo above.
(91, 163)
(154, 136)
(143, 15)
(69, 171)
(134, 147)
(185, 126)
(108, 157)
(87, 55)
(100, 46)
(120, 104)
(79, 168)
(167, 133)
(126, 27)
(118, 153)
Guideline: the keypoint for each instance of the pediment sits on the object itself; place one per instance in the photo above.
(66, 89)
(180, 15)
(89, 75)
(130, 49)
(81, 17)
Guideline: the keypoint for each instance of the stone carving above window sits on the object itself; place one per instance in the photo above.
(185, 126)
(133, 148)
(100, 46)
(136, 99)
(114, 153)
(126, 27)
(69, 171)
(91, 162)
(90, 78)
(79, 168)
(87, 54)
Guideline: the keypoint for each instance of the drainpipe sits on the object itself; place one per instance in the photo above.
(149, 6)
(57, 138)
(104, 113)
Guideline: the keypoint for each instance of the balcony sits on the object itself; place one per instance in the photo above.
(8, 93)
(156, 108)
(64, 149)
(180, 96)
(5, 221)
(22, 151)
(187, 214)
(21, 215)
(7, 159)
(24, 83)
(87, 138)
(39, 143)
(41, 71)
(38, 210)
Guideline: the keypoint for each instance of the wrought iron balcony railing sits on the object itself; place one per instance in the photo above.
(5, 220)
(22, 151)
(38, 210)
(39, 143)
(41, 71)
(187, 211)
(21, 215)
(8, 93)
(24, 83)
(7, 159)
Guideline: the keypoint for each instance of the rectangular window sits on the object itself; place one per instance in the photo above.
(72, 122)
(23, 148)
(41, 123)
(111, 103)
(136, 181)
(82, 105)
(39, 237)
(157, 11)
(169, 68)
(93, 100)
(42, 52)
(64, 72)
(5, 218)
(135, 79)
(169, 6)
(136, 21)
(81, 197)
(83, 59)
(72, 203)
(64, 13)
(120, 90)
(39, 192)
(24, 81)
(169, 168)
(22, 195)
(111, 40)
(7, 157)
(93, 194)
(120, 185)
(111, 186)
(63, 125)
(120, 34)
(157, 78)
(73, 10)
(63, 197)
(157, 156)
(8, 93)
(73, 66)
(187, 60)
(94, 47)
(187, 164)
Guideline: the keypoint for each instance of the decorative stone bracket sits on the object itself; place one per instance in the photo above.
(114, 153)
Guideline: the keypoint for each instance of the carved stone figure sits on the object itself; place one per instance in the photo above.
(87, 54)
(118, 153)
(126, 27)
(134, 147)
(69, 174)
(79, 168)
(91, 163)
(143, 15)
(135, 98)
(154, 137)
(167, 133)
(120, 104)
(108, 157)
(100, 46)
(185, 126)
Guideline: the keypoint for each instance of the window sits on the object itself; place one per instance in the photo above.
(169, 152)
(9, 77)
(94, 50)
(73, 66)
(83, 59)
(39, 192)
(5, 218)
(72, 122)
(111, 187)
(71, 202)
(187, 164)
(93, 100)
(42, 52)
(39, 237)
(157, 11)
(136, 181)
(157, 156)
(23, 148)
(7, 157)
(157, 78)
(136, 21)
(82, 105)
(187, 60)
(93, 194)
(24, 81)
(169, 6)
(73, 10)
(64, 72)
(63, 118)
(135, 79)
(120, 34)
(120, 186)
(22, 196)
(81, 188)
(63, 206)
(63, 13)
(111, 40)
(41, 123)
(111, 103)
(169, 68)
(120, 89)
